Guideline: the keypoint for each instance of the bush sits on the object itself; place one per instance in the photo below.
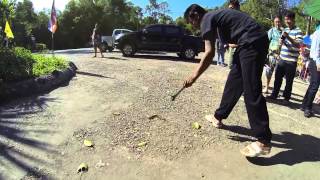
(15, 64)
(45, 65)
(41, 47)
(19, 64)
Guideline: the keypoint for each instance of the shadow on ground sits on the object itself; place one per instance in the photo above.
(92, 74)
(297, 148)
(166, 57)
(15, 145)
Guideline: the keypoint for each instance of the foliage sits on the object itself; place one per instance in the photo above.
(18, 64)
(24, 22)
(180, 21)
(76, 22)
(158, 12)
(7, 12)
(41, 46)
(45, 65)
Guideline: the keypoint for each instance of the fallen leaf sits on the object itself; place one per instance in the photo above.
(196, 125)
(83, 167)
(88, 143)
(142, 144)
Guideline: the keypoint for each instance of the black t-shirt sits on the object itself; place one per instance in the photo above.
(234, 27)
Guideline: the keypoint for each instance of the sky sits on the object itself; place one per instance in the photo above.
(47, 4)
(176, 7)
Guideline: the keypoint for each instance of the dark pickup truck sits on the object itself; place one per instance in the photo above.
(160, 37)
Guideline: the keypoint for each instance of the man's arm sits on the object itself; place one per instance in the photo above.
(295, 42)
(205, 62)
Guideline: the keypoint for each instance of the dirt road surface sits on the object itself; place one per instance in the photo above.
(124, 106)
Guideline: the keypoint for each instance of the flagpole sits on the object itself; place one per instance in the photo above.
(52, 45)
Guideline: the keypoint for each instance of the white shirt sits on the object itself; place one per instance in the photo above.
(315, 46)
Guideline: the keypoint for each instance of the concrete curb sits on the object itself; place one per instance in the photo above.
(37, 85)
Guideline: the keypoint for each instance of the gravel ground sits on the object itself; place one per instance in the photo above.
(124, 106)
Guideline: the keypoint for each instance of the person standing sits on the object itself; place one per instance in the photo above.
(221, 51)
(96, 40)
(274, 35)
(290, 43)
(314, 69)
(244, 77)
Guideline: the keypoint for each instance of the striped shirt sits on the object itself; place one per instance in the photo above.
(289, 52)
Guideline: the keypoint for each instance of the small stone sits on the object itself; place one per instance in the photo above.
(100, 164)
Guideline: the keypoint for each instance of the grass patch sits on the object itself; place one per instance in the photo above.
(19, 64)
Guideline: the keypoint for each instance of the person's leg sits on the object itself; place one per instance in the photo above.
(232, 91)
(280, 72)
(219, 56)
(268, 72)
(252, 63)
(290, 72)
(95, 50)
(222, 57)
(100, 49)
(312, 89)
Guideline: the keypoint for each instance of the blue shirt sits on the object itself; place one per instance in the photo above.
(274, 35)
(315, 46)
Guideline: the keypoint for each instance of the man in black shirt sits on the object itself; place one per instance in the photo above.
(245, 76)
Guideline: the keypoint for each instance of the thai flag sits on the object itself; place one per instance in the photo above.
(52, 25)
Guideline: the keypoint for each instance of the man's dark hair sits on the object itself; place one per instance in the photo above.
(290, 15)
(235, 3)
(193, 10)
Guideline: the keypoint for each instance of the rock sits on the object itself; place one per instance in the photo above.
(100, 164)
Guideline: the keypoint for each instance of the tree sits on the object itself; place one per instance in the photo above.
(7, 12)
(158, 12)
(23, 22)
(180, 21)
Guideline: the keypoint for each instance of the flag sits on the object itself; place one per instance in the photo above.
(8, 31)
(52, 25)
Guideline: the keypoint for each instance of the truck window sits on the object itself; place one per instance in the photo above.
(172, 30)
(117, 32)
(154, 29)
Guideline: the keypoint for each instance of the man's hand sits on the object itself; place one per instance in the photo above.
(233, 45)
(318, 67)
(285, 34)
(189, 81)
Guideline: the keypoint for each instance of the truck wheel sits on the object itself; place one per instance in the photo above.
(128, 49)
(110, 49)
(189, 53)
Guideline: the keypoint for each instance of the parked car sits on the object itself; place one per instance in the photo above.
(108, 42)
(160, 37)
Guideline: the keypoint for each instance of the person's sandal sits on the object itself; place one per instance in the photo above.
(254, 150)
(216, 123)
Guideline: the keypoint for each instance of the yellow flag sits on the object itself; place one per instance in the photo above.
(8, 31)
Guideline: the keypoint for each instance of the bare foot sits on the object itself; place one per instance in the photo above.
(256, 149)
(215, 122)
